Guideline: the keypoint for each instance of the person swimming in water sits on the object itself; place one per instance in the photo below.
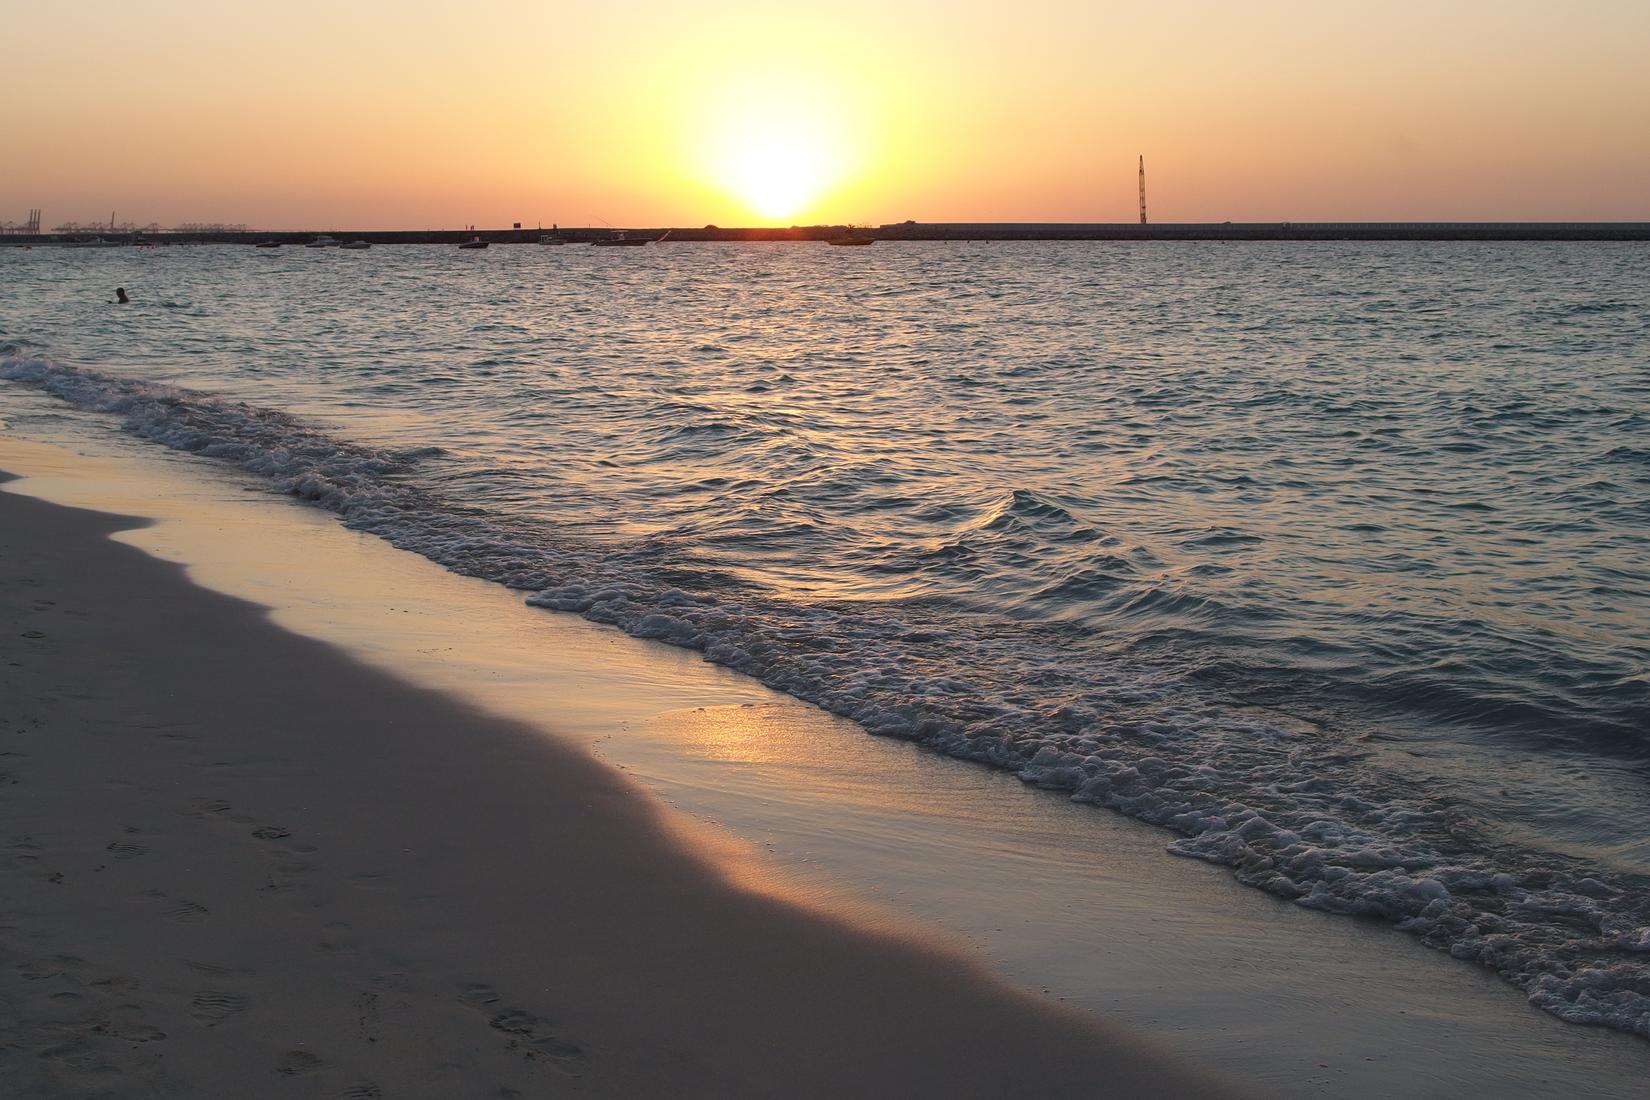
(120, 297)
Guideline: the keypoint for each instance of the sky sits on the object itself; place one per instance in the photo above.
(417, 114)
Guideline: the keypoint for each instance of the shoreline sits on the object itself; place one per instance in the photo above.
(1082, 904)
(244, 864)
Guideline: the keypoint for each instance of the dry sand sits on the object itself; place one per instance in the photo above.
(236, 863)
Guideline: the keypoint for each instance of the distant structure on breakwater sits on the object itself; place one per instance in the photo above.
(29, 226)
(920, 231)
(153, 229)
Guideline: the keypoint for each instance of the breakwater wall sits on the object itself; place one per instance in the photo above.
(950, 231)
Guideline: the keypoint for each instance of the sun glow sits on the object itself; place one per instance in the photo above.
(777, 143)
(776, 175)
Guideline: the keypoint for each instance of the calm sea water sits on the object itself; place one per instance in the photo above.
(1332, 559)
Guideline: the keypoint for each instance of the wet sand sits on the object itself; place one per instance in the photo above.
(239, 863)
(1080, 904)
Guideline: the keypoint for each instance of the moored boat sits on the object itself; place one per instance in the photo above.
(355, 246)
(474, 242)
(850, 237)
(621, 238)
(323, 241)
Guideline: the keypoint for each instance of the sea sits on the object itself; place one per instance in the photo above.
(1330, 559)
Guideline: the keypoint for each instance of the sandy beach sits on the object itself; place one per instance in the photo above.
(1168, 615)
(241, 864)
(1079, 908)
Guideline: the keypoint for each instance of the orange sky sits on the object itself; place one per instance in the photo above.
(646, 112)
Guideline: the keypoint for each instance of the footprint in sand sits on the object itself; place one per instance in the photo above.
(295, 1063)
(529, 1034)
(125, 851)
(72, 1049)
(141, 1033)
(187, 911)
(365, 1091)
(270, 832)
(337, 936)
(115, 981)
(218, 971)
(478, 995)
(211, 1007)
(127, 1024)
(179, 909)
(366, 880)
(37, 970)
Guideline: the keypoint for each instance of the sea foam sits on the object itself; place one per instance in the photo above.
(1305, 817)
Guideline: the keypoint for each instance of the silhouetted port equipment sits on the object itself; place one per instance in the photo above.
(30, 226)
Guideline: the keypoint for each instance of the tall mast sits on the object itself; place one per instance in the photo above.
(1142, 189)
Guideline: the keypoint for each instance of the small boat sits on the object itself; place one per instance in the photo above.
(851, 236)
(268, 244)
(94, 242)
(621, 238)
(323, 241)
(355, 246)
(474, 242)
(552, 238)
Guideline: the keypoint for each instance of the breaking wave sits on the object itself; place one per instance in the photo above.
(1306, 813)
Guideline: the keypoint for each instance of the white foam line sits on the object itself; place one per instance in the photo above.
(1302, 818)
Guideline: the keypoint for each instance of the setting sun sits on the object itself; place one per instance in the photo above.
(776, 175)
(776, 144)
